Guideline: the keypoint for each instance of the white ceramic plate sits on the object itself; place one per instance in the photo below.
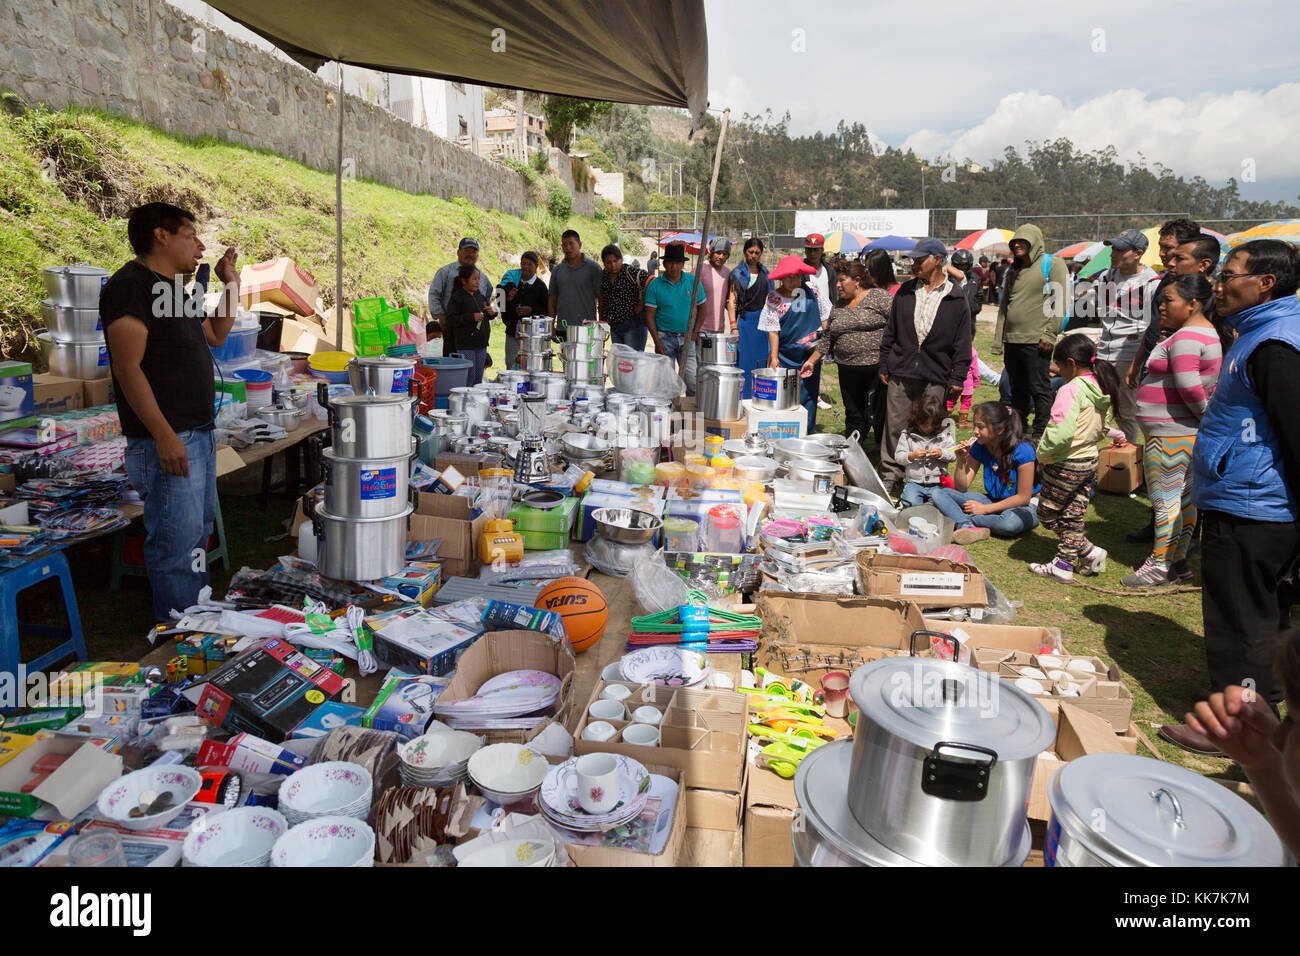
(560, 802)
(516, 853)
(506, 695)
(665, 664)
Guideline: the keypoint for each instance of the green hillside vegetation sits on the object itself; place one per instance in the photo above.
(69, 177)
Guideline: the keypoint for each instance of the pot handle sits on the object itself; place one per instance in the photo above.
(950, 779)
(317, 523)
(415, 388)
(323, 400)
(1179, 820)
(956, 644)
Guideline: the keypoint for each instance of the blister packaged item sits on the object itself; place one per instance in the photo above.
(837, 580)
(537, 564)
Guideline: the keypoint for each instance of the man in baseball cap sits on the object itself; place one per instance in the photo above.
(1128, 239)
(444, 281)
(1123, 303)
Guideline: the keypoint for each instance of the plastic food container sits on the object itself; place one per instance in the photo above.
(699, 476)
(722, 530)
(681, 534)
(670, 474)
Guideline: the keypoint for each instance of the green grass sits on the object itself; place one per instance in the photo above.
(1156, 641)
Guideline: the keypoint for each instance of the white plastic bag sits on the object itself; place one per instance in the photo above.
(643, 373)
(658, 587)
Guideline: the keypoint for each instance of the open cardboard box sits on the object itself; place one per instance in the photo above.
(921, 579)
(1077, 733)
(1107, 697)
(449, 517)
(770, 806)
(70, 789)
(613, 856)
(498, 652)
(1000, 640)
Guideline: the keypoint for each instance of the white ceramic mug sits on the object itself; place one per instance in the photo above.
(616, 692)
(598, 730)
(647, 715)
(641, 735)
(596, 776)
(608, 710)
(613, 671)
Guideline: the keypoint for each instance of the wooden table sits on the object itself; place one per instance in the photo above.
(702, 847)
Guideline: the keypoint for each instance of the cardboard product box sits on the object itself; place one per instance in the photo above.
(327, 717)
(772, 425)
(250, 754)
(498, 652)
(468, 466)
(417, 585)
(50, 393)
(923, 580)
(607, 856)
(1105, 696)
(991, 643)
(17, 400)
(728, 429)
(1119, 469)
(770, 806)
(404, 703)
(449, 518)
(52, 719)
(716, 809)
(268, 691)
(1077, 733)
(585, 526)
(281, 281)
(96, 393)
(421, 643)
(303, 335)
(70, 789)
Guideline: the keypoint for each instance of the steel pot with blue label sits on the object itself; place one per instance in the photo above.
(367, 487)
(381, 376)
(776, 389)
(1124, 810)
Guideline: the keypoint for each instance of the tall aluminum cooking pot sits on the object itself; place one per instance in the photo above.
(536, 325)
(534, 343)
(943, 759)
(66, 324)
(535, 361)
(380, 374)
(719, 391)
(585, 370)
(514, 380)
(366, 426)
(76, 287)
(583, 351)
(587, 332)
(776, 388)
(87, 361)
(358, 549)
(718, 348)
(368, 487)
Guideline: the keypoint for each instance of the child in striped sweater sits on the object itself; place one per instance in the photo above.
(1181, 375)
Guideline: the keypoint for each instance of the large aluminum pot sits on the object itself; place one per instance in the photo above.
(776, 388)
(658, 419)
(585, 370)
(67, 324)
(534, 343)
(582, 351)
(820, 474)
(551, 384)
(536, 325)
(1156, 813)
(367, 487)
(535, 361)
(368, 427)
(359, 549)
(750, 445)
(87, 361)
(943, 759)
(718, 348)
(829, 834)
(621, 402)
(76, 287)
(719, 390)
(788, 449)
(514, 380)
(470, 402)
(838, 444)
(593, 393)
(449, 423)
(588, 332)
(754, 468)
(380, 375)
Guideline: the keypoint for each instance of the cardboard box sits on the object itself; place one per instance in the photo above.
(770, 807)
(70, 789)
(404, 703)
(715, 809)
(500, 651)
(994, 637)
(17, 402)
(449, 518)
(1106, 697)
(772, 425)
(1077, 733)
(228, 461)
(96, 393)
(734, 428)
(281, 281)
(923, 580)
(606, 856)
(304, 335)
(50, 393)
(1119, 469)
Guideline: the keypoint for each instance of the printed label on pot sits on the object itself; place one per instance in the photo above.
(625, 367)
(103, 356)
(402, 381)
(1053, 842)
(928, 583)
(765, 388)
(378, 483)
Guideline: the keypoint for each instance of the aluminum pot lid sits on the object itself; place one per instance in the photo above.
(80, 269)
(1135, 811)
(372, 400)
(816, 466)
(804, 448)
(383, 361)
(923, 701)
(722, 371)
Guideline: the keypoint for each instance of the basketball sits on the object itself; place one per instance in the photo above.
(581, 605)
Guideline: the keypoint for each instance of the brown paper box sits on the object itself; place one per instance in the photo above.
(228, 460)
(1012, 637)
(728, 429)
(1119, 470)
(612, 856)
(50, 393)
(304, 335)
(715, 809)
(448, 517)
(770, 806)
(96, 393)
(923, 580)
(1077, 733)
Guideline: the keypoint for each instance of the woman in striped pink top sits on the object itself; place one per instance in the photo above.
(1181, 375)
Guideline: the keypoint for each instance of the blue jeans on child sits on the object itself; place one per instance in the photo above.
(1005, 524)
(178, 516)
(915, 494)
(477, 358)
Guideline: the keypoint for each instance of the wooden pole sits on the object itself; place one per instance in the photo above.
(338, 226)
(704, 233)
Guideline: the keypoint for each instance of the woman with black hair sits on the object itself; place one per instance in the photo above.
(1068, 451)
(1005, 507)
(1182, 372)
(749, 289)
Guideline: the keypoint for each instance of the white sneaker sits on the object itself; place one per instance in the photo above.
(1054, 569)
(1094, 562)
(822, 404)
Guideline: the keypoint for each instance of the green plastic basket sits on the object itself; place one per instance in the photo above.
(393, 317)
(367, 310)
(373, 341)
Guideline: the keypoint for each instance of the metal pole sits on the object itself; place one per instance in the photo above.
(338, 226)
(704, 233)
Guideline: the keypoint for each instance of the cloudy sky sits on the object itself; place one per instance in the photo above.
(1210, 89)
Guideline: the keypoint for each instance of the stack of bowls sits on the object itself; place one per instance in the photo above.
(584, 353)
(73, 345)
(240, 837)
(437, 758)
(326, 841)
(332, 789)
(535, 343)
(257, 387)
(508, 774)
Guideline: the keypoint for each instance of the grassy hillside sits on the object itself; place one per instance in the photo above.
(68, 177)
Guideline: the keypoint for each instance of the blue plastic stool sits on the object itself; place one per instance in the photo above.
(20, 579)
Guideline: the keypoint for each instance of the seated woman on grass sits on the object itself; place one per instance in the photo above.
(1008, 461)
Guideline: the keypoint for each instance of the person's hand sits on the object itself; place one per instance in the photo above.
(954, 392)
(914, 454)
(1240, 724)
(1045, 345)
(733, 329)
(934, 453)
(172, 456)
(695, 337)
(478, 316)
(808, 367)
(1134, 373)
(884, 378)
(773, 362)
(659, 348)
(225, 268)
(975, 508)
(512, 295)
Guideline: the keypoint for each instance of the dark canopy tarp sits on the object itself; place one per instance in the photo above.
(649, 52)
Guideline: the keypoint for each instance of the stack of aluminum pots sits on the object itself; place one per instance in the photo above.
(535, 343)
(73, 343)
(584, 353)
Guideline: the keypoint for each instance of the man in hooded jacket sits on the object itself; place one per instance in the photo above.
(1032, 309)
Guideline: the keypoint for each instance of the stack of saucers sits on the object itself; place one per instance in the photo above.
(559, 804)
(333, 789)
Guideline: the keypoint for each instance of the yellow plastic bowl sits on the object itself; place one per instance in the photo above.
(329, 361)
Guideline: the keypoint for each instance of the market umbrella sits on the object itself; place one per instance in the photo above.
(988, 240)
(1072, 251)
(1287, 230)
(1150, 258)
(892, 244)
(845, 242)
(691, 240)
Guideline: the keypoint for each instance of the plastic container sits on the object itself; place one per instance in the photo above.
(713, 446)
(240, 343)
(670, 474)
(452, 372)
(723, 470)
(699, 476)
(722, 531)
(681, 534)
(368, 310)
(637, 465)
(330, 366)
(694, 459)
(373, 341)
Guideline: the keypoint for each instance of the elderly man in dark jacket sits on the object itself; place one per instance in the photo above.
(926, 345)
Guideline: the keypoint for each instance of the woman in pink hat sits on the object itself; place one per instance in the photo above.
(792, 317)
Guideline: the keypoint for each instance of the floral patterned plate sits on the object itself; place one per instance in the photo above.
(507, 695)
(559, 802)
(665, 664)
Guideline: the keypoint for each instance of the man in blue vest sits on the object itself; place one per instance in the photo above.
(1246, 476)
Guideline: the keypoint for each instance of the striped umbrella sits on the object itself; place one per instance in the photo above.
(1150, 258)
(689, 239)
(988, 240)
(1069, 252)
(1287, 230)
(845, 242)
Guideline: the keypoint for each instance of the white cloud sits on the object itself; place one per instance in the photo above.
(1210, 135)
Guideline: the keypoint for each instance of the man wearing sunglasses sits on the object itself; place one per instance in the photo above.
(1246, 476)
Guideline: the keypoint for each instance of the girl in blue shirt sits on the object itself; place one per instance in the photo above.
(1008, 462)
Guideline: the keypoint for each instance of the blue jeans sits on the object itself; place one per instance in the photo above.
(914, 494)
(178, 516)
(633, 335)
(477, 358)
(1005, 524)
(681, 351)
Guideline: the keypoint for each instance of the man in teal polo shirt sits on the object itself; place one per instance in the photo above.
(668, 313)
